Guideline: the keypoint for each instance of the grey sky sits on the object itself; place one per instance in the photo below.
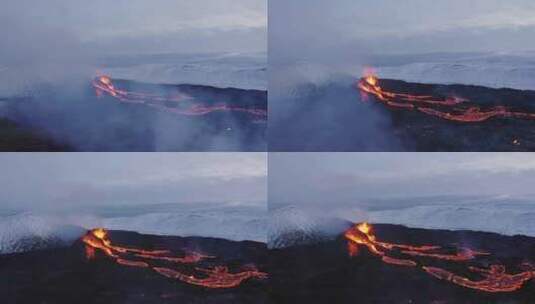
(135, 26)
(328, 179)
(57, 180)
(343, 27)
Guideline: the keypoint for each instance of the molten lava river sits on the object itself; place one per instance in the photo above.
(493, 279)
(451, 108)
(177, 103)
(185, 268)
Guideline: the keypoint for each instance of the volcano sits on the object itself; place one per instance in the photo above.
(127, 267)
(122, 115)
(395, 264)
(189, 100)
(435, 117)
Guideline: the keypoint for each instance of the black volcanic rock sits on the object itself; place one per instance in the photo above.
(69, 119)
(15, 138)
(422, 132)
(324, 273)
(65, 275)
(205, 94)
(333, 117)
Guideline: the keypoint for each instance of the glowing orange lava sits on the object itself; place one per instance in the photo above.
(216, 277)
(495, 279)
(177, 104)
(450, 108)
(362, 234)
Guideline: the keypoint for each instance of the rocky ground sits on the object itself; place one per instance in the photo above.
(65, 275)
(325, 273)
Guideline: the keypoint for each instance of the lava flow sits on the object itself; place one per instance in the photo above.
(213, 277)
(494, 279)
(450, 108)
(177, 103)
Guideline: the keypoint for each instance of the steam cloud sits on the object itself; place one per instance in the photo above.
(51, 51)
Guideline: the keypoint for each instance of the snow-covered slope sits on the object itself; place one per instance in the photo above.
(27, 231)
(500, 218)
(291, 225)
(491, 70)
(244, 71)
(233, 224)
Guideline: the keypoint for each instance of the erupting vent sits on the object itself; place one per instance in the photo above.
(214, 277)
(176, 103)
(450, 108)
(494, 279)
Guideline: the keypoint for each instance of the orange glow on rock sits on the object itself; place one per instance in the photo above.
(216, 277)
(181, 103)
(495, 279)
(451, 108)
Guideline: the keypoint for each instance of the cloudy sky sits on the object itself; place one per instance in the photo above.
(134, 26)
(56, 180)
(348, 27)
(328, 179)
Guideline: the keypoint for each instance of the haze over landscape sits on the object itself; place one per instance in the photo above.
(51, 41)
(213, 194)
(479, 191)
(315, 68)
